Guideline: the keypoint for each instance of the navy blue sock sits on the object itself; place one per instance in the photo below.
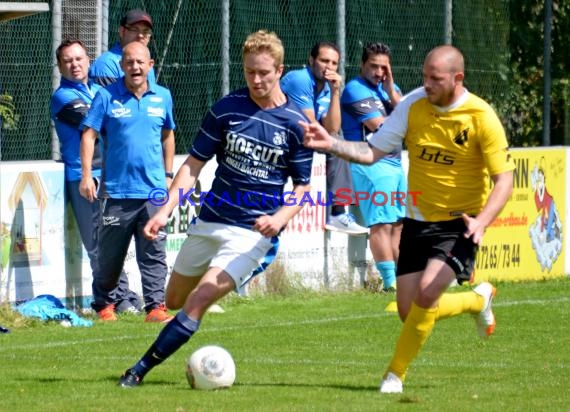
(175, 334)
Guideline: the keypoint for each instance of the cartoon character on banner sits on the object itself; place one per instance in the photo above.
(546, 230)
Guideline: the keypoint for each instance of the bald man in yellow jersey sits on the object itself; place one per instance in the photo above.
(454, 139)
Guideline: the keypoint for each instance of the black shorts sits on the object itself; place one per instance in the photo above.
(422, 241)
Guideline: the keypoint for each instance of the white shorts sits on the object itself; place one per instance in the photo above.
(235, 250)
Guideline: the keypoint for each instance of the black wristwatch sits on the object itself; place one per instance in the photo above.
(169, 174)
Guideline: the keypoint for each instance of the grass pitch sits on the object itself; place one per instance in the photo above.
(307, 352)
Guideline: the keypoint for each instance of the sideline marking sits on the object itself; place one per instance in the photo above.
(6, 348)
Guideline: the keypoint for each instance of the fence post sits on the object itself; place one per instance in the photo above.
(566, 99)
(547, 73)
(56, 27)
(448, 23)
(103, 35)
(341, 34)
(225, 47)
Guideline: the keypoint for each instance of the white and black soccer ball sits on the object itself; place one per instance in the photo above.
(211, 367)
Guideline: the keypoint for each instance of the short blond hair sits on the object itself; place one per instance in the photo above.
(265, 41)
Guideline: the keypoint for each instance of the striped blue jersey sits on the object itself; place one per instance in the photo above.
(360, 101)
(69, 105)
(256, 151)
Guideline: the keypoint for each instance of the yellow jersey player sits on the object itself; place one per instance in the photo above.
(454, 139)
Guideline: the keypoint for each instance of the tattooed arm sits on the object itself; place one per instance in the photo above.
(317, 138)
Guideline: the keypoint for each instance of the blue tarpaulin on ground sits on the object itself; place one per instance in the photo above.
(48, 307)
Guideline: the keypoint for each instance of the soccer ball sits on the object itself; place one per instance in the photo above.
(210, 367)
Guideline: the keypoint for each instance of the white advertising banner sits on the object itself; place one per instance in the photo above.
(42, 251)
(32, 229)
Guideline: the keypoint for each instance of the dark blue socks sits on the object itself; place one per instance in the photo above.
(175, 334)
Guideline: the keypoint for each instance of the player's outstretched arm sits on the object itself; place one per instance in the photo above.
(185, 179)
(317, 138)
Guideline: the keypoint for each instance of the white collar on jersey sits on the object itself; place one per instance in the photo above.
(462, 99)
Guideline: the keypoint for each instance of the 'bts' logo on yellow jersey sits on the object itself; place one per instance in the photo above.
(436, 156)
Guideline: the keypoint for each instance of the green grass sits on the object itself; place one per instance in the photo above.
(306, 352)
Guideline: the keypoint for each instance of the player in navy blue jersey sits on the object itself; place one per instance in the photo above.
(258, 143)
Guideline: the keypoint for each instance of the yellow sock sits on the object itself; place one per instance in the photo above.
(453, 304)
(417, 327)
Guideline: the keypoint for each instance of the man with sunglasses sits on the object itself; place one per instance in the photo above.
(136, 25)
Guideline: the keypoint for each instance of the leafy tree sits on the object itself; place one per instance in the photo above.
(8, 116)
(522, 105)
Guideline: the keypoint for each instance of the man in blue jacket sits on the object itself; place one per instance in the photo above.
(69, 105)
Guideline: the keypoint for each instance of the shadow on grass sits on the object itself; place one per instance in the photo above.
(154, 382)
(353, 388)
